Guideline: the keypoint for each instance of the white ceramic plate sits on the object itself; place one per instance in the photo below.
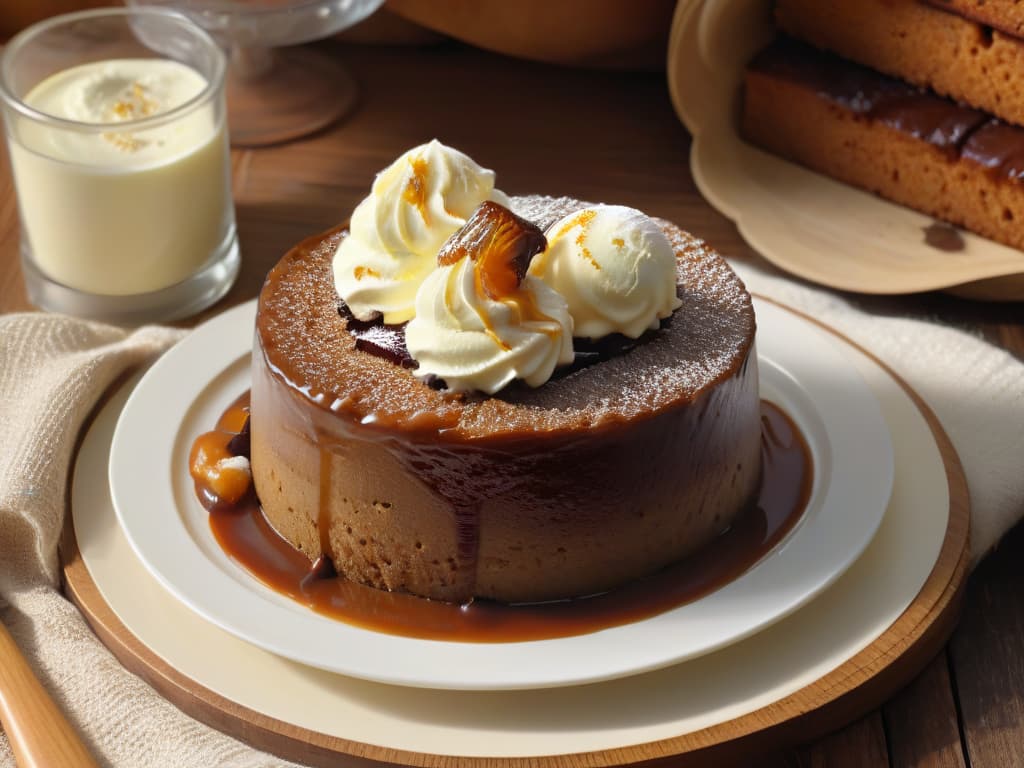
(802, 369)
(801, 221)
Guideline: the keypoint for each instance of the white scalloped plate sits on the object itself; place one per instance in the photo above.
(801, 221)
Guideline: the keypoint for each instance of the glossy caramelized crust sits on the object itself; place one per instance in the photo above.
(880, 134)
(591, 480)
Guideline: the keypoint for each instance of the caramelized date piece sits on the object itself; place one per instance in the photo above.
(219, 460)
(220, 476)
(500, 243)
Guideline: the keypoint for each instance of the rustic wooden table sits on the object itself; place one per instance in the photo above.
(614, 137)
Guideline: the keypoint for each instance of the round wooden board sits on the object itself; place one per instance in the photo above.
(853, 688)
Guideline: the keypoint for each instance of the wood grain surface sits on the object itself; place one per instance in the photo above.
(614, 137)
(40, 735)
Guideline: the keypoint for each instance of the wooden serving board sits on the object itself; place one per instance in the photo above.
(849, 690)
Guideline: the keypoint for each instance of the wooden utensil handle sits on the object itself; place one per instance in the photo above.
(40, 735)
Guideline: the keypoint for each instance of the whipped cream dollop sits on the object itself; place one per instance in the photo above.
(480, 320)
(415, 205)
(614, 266)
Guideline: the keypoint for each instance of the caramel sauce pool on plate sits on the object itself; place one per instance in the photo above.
(244, 534)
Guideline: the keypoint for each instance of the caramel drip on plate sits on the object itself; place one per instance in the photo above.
(215, 485)
(243, 532)
(323, 523)
(944, 237)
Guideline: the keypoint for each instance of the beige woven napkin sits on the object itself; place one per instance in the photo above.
(975, 389)
(54, 369)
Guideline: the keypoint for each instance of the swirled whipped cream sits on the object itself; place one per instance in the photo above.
(615, 268)
(481, 321)
(415, 205)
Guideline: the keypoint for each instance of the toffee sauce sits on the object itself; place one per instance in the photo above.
(958, 131)
(246, 536)
(944, 237)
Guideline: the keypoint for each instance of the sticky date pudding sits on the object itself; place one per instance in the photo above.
(604, 473)
(463, 395)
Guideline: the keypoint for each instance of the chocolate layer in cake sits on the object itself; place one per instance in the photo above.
(886, 136)
(589, 481)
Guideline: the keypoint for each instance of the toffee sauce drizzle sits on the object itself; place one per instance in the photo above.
(246, 536)
(958, 131)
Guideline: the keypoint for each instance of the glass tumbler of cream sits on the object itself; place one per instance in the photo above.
(116, 127)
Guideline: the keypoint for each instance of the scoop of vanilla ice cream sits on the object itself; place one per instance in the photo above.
(475, 342)
(415, 204)
(615, 268)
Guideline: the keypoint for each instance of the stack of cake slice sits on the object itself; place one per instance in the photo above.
(918, 102)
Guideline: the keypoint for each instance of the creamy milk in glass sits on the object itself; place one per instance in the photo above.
(122, 210)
